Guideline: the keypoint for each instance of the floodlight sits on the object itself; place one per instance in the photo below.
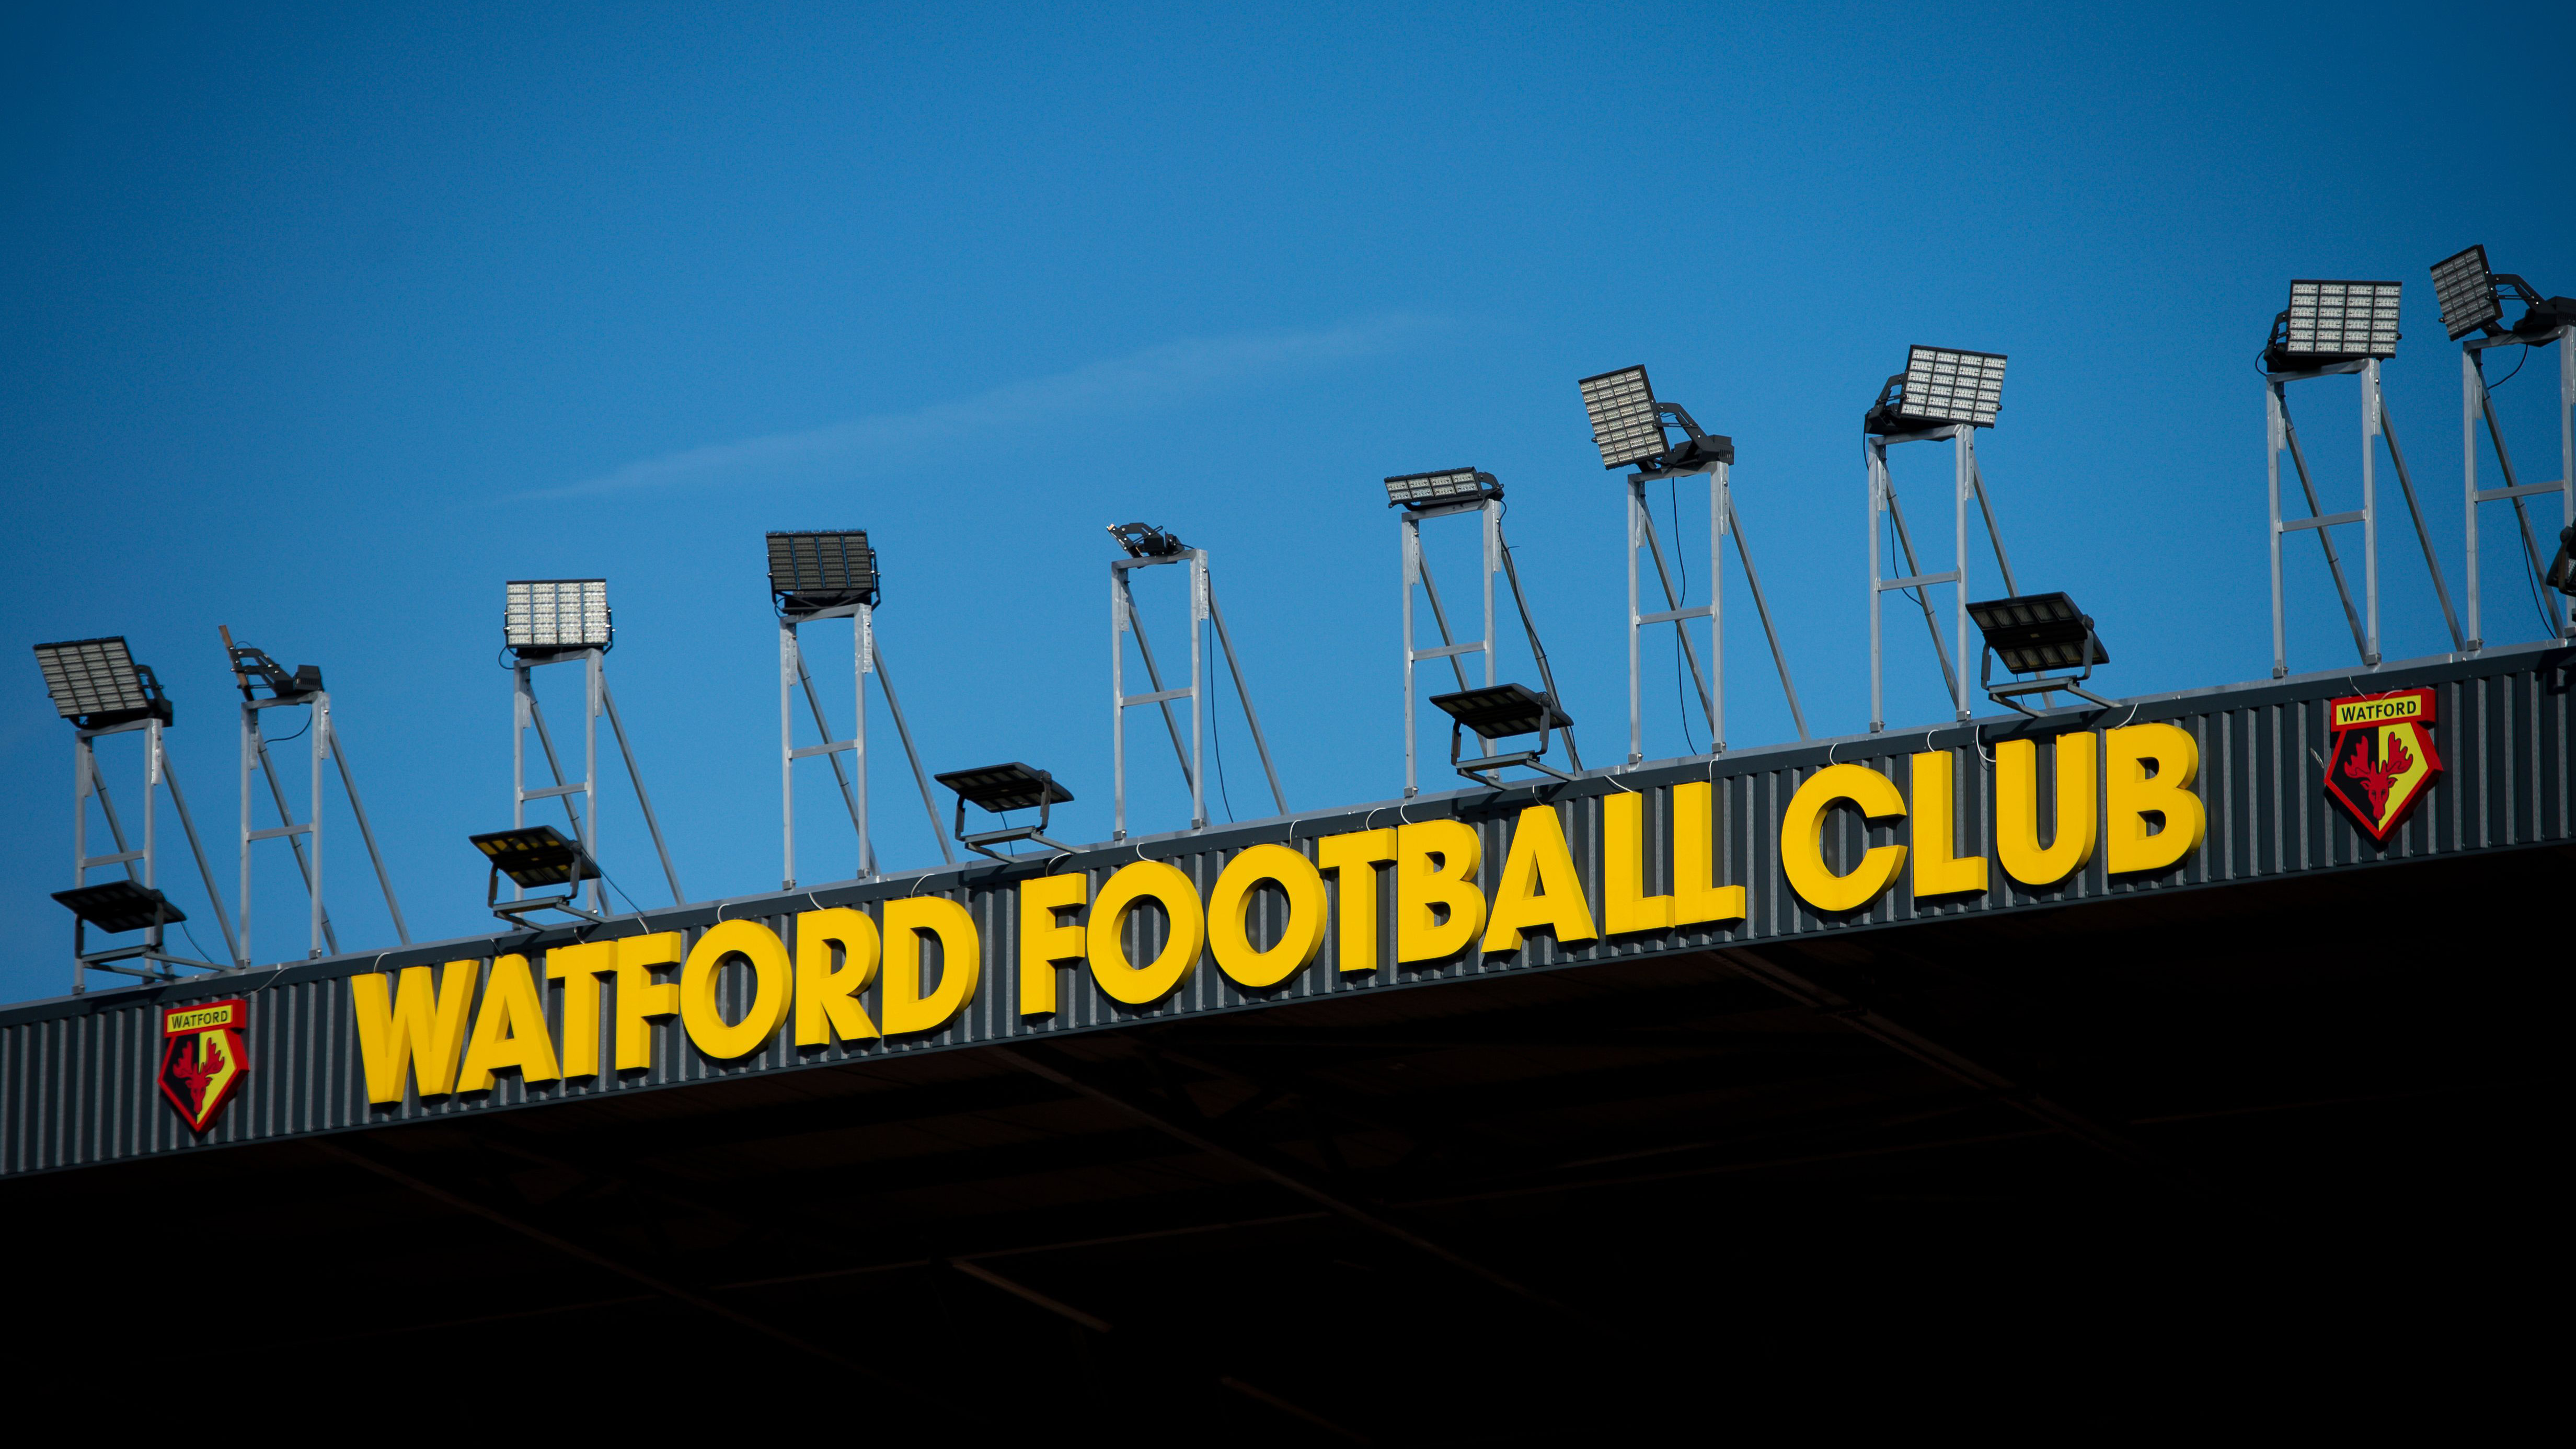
(557, 616)
(96, 683)
(2034, 633)
(253, 670)
(1626, 425)
(997, 788)
(1940, 386)
(2465, 287)
(1447, 485)
(537, 855)
(121, 905)
(810, 572)
(2472, 301)
(1500, 711)
(2330, 322)
(1144, 540)
(2562, 569)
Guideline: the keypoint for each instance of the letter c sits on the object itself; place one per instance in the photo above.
(1802, 838)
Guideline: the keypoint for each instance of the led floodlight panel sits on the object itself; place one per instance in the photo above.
(2465, 287)
(1499, 710)
(121, 905)
(536, 855)
(2036, 632)
(821, 570)
(1625, 425)
(1005, 787)
(1448, 485)
(92, 677)
(2341, 320)
(1944, 385)
(550, 615)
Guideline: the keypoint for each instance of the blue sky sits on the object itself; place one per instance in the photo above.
(324, 323)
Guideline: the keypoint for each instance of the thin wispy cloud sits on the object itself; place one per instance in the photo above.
(1140, 381)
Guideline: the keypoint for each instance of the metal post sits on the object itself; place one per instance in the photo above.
(1876, 454)
(787, 672)
(250, 745)
(592, 683)
(2272, 467)
(1963, 462)
(521, 712)
(1198, 691)
(1411, 529)
(1118, 614)
(862, 637)
(2469, 484)
(1636, 697)
(320, 729)
(2566, 453)
(1493, 563)
(2370, 507)
(1719, 501)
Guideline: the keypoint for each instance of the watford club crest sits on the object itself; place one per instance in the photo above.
(202, 1057)
(2383, 758)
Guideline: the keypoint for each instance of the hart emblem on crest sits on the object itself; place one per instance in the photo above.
(2382, 758)
(202, 1058)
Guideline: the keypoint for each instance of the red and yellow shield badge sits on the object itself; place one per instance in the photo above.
(2383, 758)
(203, 1058)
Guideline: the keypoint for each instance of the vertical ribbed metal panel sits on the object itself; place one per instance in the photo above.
(77, 1075)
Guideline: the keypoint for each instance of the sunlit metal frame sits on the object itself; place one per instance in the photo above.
(1416, 570)
(1124, 619)
(2476, 404)
(526, 714)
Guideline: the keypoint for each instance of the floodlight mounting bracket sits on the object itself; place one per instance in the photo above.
(983, 839)
(2009, 693)
(2477, 403)
(1967, 481)
(515, 912)
(1532, 759)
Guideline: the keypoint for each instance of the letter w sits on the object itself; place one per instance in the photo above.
(413, 1032)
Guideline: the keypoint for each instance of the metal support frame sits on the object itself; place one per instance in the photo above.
(2476, 403)
(150, 961)
(1966, 482)
(1722, 521)
(853, 783)
(596, 701)
(1497, 558)
(1204, 611)
(2281, 433)
(325, 735)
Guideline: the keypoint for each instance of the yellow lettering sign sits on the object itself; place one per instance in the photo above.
(1229, 911)
(2155, 818)
(414, 1029)
(1802, 838)
(1133, 885)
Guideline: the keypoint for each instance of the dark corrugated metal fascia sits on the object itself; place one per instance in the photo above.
(76, 1073)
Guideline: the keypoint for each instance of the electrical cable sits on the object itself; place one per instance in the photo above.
(286, 739)
(1681, 557)
(2510, 376)
(1216, 720)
